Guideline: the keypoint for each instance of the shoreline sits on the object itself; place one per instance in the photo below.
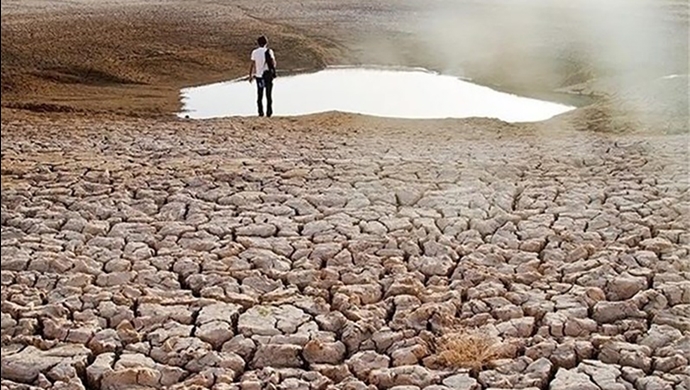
(565, 98)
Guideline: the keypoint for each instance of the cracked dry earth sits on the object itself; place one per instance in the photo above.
(312, 254)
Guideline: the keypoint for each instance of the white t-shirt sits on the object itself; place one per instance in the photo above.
(259, 58)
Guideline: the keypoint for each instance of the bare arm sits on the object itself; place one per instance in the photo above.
(251, 71)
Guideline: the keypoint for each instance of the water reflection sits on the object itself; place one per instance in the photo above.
(409, 93)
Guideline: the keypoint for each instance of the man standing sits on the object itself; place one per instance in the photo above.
(263, 70)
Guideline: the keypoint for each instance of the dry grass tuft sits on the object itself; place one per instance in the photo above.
(467, 349)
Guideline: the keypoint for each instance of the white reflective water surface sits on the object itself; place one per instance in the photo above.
(408, 93)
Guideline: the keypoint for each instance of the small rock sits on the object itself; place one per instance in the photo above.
(101, 366)
(277, 356)
(607, 312)
(624, 287)
(362, 363)
(461, 382)
(215, 333)
(572, 380)
(403, 376)
(627, 354)
(324, 352)
(657, 245)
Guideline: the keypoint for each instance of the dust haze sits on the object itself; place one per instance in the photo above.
(634, 52)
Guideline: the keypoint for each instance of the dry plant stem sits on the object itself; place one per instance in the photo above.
(468, 349)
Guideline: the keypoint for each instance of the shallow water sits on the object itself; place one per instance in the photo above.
(409, 93)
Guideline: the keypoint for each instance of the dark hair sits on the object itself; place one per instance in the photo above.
(262, 41)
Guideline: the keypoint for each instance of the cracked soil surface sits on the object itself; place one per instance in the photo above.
(336, 251)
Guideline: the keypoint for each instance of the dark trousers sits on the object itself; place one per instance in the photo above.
(267, 84)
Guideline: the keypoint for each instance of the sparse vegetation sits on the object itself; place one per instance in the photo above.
(467, 349)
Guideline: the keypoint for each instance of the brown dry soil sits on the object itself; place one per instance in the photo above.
(133, 58)
(330, 251)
